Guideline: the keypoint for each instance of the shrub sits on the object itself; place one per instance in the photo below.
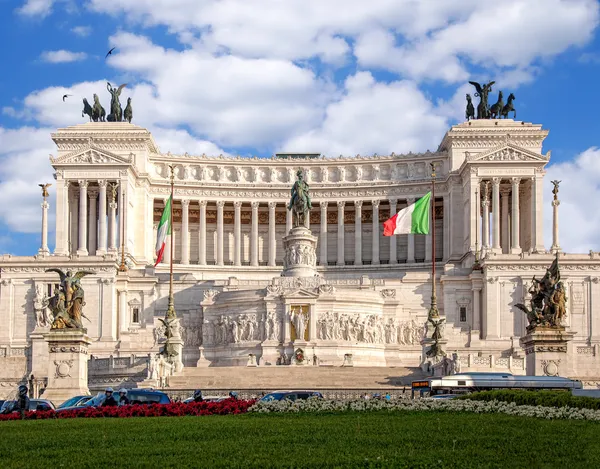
(536, 398)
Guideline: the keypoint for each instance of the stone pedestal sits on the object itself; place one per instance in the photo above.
(67, 364)
(175, 343)
(300, 259)
(203, 362)
(547, 352)
(270, 353)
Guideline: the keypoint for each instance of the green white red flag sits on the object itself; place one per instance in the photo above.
(413, 219)
(164, 230)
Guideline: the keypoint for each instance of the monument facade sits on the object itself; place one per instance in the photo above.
(333, 287)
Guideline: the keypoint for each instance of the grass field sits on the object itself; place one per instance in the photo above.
(376, 439)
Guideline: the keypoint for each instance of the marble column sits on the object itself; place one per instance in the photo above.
(112, 222)
(166, 259)
(340, 233)
(476, 308)
(504, 223)
(515, 247)
(73, 220)
(44, 251)
(254, 236)
(202, 234)
(375, 256)
(82, 251)
(92, 222)
(537, 215)
(323, 235)
(496, 214)
(272, 246)
(358, 232)
(123, 311)
(288, 221)
(220, 205)
(101, 218)
(485, 225)
(393, 239)
(62, 217)
(410, 255)
(555, 242)
(237, 233)
(185, 231)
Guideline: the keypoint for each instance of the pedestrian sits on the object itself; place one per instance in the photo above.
(123, 399)
(233, 395)
(109, 400)
(198, 396)
(22, 401)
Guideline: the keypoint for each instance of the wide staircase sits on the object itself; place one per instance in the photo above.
(295, 377)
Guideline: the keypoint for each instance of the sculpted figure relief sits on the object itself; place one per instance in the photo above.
(232, 330)
(40, 307)
(68, 300)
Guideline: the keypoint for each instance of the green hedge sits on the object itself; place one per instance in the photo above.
(538, 398)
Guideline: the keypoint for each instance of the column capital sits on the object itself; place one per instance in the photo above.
(255, 205)
(237, 204)
(515, 180)
(393, 200)
(202, 203)
(92, 193)
(83, 183)
(323, 205)
(45, 204)
(220, 203)
(272, 205)
(358, 203)
(185, 203)
(341, 204)
(102, 183)
(375, 203)
(505, 191)
(410, 200)
(496, 181)
(68, 183)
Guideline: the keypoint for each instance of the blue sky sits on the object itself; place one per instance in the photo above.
(259, 76)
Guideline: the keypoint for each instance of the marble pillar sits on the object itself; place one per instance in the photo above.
(537, 213)
(504, 223)
(393, 239)
(485, 225)
(123, 311)
(272, 246)
(237, 233)
(340, 233)
(288, 221)
(358, 232)
(254, 236)
(102, 232)
(323, 235)
(496, 215)
(62, 217)
(92, 222)
(185, 231)
(515, 247)
(44, 251)
(555, 242)
(82, 250)
(220, 250)
(202, 234)
(410, 255)
(375, 221)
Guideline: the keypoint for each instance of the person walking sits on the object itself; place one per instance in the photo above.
(23, 401)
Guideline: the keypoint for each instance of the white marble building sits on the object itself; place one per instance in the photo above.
(372, 293)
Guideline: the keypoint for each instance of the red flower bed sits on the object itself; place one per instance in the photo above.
(179, 409)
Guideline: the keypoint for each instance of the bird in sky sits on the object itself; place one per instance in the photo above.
(66, 96)
(109, 52)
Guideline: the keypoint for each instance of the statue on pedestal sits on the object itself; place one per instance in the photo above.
(548, 300)
(40, 306)
(300, 203)
(68, 300)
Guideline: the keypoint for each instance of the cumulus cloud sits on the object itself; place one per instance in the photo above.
(62, 56)
(39, 8)
(579, 222)
(82, 31)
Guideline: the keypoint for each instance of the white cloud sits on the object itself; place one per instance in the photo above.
(62, 56)
(82, 31)
(41, 8)
(374, 117)
(579, 221)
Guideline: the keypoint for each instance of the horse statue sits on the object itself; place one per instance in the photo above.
(496, 109)
(470, 111)
(87, 109)
(300, 203)
(509, 107)
(128, 112)
(99, 114)
(483, 110)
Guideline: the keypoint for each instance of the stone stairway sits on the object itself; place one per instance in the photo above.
(294, 377)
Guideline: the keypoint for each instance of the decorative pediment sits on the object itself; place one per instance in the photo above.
(91, 155)
(300, 294)
(508, 152)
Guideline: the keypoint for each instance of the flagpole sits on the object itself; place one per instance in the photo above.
(123, 267)
(433, 310)
(171, 306)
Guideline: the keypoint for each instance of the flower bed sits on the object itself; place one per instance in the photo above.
(537, 398)
(227, 406)
(454, 405)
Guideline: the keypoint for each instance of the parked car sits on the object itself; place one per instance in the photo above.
(34, 405)
(207, 399)
(291, 395)
(76, 401)
(136, 396)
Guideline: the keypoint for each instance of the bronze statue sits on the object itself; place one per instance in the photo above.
(509, 107)
(300, 203)
(68, 300)
(87, 109)
(45, 190)
(496, 109)
(128, 113)
(548, 300)
(116, 112)
(555, 183)
(483, 110)
(470, 111)
(98, 112)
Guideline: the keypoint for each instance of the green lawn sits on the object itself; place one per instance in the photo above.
(377, 439)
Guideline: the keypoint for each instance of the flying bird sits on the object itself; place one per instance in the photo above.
(110, 52)
(66, 96)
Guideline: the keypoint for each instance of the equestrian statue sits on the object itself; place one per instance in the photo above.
(300, 203)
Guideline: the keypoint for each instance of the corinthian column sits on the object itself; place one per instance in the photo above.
(516, 223)
(92, 222)
(485, 225)
(410, 240)
(220, 205)
(254, 236)
(555, 203)
(505, 193)
(112, 221)
(375, 256)
(82, 251)
(340, 234)
(358, 232)
(496, 214)
(272, 206)
(323, 236)
(202, 234)
(44, 251)
(185, 230)
(101, 218)
(237, 233)
(393, 239)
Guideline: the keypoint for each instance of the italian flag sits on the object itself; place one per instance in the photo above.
(413, 219)
(164, 230)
